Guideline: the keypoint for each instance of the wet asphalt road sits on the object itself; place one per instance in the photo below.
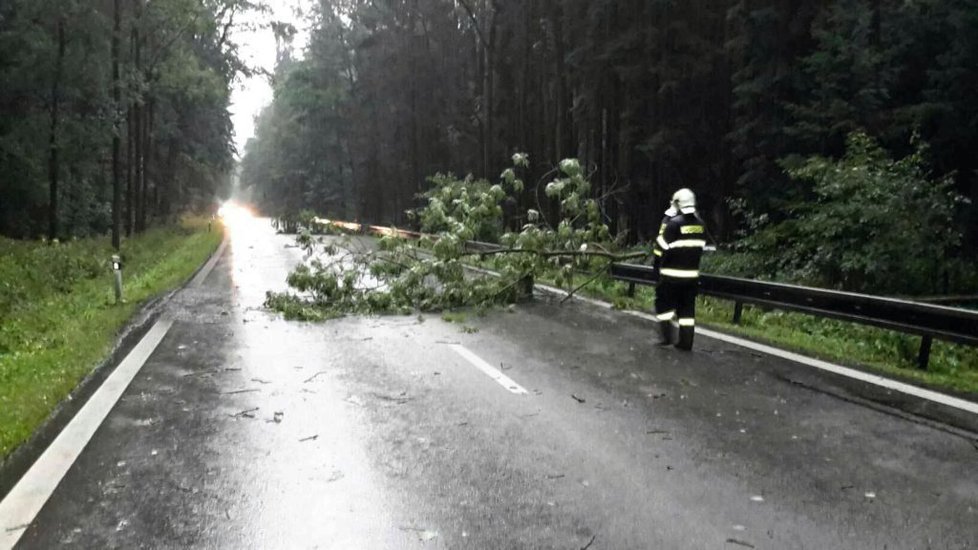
(247, 431)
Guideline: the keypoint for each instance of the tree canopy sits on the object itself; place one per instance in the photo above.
(127, 95)
(650, 96)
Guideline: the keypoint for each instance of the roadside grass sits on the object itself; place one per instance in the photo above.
(58, 318)
(952, 366)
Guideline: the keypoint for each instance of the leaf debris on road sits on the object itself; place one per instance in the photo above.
(424, 535)
(250, 413)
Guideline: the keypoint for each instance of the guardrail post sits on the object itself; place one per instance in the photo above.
(924, 357)
(631, 290)
(117, 277)
(738, 312)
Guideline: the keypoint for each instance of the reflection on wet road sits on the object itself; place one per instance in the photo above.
(551, 427)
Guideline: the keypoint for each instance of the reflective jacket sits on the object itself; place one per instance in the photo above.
(679, 247)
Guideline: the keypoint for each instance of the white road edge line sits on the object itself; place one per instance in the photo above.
(874, 379)
(494, 373)
(198, 279)
(26, 499)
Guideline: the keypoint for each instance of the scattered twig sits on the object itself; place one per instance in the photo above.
(249, 413)
(578, 399)
(260, 381)
(310, 438)
(212, 371)
(589, 543)
(17, 527)
(245, 390)
(657, 432)
(313, 377)
(740, 543)
(556, 476)
(399, 399)
(585, 283)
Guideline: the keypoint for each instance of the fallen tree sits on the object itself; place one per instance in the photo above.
(350, 275)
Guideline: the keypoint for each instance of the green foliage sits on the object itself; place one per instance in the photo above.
(56, 95)
(59, 319)
(875, 224)
(398, 276)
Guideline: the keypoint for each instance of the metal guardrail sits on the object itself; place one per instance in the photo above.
(926, 320)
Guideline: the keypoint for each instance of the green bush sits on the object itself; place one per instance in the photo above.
(874, 224)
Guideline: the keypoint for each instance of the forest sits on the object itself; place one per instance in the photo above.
(113, 113)
(735, 99)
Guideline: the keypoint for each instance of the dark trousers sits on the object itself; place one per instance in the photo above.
(675, 308)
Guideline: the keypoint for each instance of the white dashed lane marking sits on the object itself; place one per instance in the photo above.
(491, 372)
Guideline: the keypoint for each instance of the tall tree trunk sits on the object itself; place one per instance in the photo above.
(130, 161)
(147, 150)
(116, 108)
(53, 165)
(139, 184)
(490, 149)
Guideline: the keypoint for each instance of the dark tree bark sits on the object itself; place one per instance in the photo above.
(54, 167)
(116, 138)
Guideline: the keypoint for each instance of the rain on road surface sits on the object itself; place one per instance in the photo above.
(551, 427)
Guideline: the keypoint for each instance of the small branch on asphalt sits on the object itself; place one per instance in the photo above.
(590, 542)
(578, 399)
(248, 413)
(310, 438)
(245, 390)
(740, 543)
(313, 377)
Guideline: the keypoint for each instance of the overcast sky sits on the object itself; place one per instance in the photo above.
(257, 48)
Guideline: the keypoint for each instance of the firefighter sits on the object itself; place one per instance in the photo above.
(678, 249)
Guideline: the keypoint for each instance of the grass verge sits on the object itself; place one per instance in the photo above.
(952, 366)
(58, 318)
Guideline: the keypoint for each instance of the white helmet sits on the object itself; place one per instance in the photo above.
(684, 200)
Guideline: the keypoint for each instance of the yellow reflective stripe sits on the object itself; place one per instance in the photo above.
(665, 316)
(680, 273)
(657, 252)
(661, 241)
(687, 322)
(689, 243)
(690, 229)
(662, 229)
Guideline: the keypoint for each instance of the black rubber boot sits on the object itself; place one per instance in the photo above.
(685, 338)
(665, 333)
